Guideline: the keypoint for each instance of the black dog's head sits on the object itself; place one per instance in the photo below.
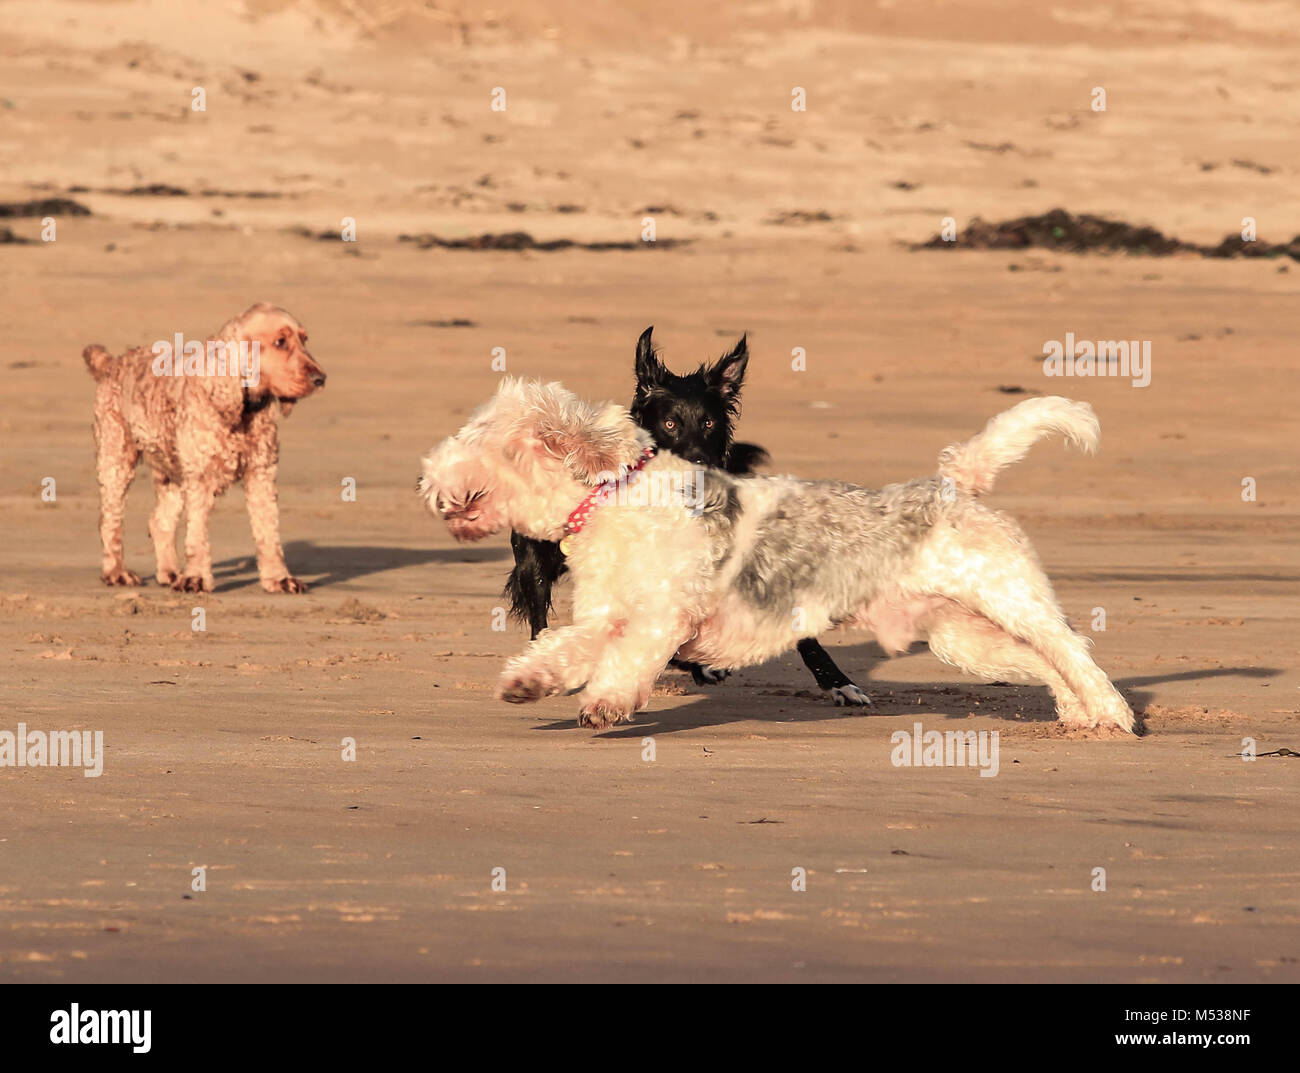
(692, 415)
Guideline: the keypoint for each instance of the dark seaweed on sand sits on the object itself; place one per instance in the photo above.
(1064, 232)
(522, 240)
(48, 206)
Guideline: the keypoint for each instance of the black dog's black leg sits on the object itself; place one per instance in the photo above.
(538, 565)
(700, 674)
(829, 676)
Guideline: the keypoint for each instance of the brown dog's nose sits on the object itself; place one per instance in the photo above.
(318, 380)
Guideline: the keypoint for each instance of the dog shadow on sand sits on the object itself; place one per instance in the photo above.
(324, 565)
(752, 696)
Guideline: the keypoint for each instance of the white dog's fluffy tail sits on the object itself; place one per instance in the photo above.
(974, 465)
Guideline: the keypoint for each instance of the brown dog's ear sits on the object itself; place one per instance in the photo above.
(595, 444)
(234, 327)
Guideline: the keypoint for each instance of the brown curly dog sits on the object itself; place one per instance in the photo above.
(203, 415)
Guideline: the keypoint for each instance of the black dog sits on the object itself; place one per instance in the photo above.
(692, 416)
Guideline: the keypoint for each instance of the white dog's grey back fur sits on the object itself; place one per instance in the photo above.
(832, 538)
(839, 539)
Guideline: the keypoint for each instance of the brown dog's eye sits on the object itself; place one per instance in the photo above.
(281, 342)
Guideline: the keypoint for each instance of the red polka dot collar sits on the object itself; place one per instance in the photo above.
(573, 525)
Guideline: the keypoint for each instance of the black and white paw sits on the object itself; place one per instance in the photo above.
(709, 676)
(849, 696)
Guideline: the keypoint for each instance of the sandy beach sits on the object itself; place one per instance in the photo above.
(223, 747)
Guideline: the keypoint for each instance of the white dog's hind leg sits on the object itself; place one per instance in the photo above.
(1068, 653)
(986, 565)
(1040, 624)
(982, 648)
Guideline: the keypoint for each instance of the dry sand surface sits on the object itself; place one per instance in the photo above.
(223, 748)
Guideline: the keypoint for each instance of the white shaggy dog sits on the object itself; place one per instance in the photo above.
(733, 571)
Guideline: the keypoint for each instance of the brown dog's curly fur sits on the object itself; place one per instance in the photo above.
(199, 433)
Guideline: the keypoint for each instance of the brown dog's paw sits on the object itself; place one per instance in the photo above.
(284, 584)
(120, 577)
(167, 578)
(192, 583)
(599, 714)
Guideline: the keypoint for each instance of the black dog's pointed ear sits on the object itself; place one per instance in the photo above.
(649, 369)
(728, 373)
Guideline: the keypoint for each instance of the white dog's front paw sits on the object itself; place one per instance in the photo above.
(523, 686)
(599, 714)
(849, 696)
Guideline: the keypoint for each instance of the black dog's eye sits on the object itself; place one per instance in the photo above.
(670, 424)
(708, 423)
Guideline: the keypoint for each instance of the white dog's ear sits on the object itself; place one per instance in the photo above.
(594, 443)
(425, 487)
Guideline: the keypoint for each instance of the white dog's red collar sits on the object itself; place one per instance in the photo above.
(574, 523)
